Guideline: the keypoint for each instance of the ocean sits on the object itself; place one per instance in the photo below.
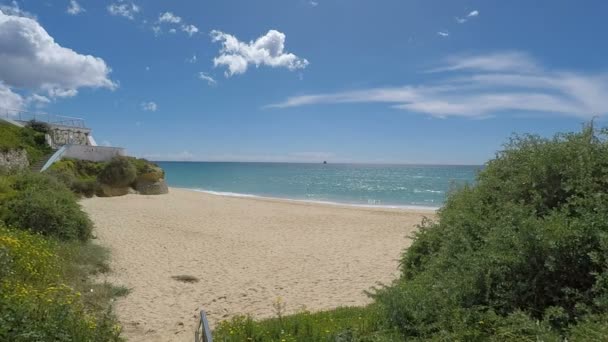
(395, 186)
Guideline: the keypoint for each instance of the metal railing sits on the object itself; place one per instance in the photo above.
(203, 333)
(24, 116)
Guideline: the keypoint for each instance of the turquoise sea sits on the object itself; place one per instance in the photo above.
(354, 184)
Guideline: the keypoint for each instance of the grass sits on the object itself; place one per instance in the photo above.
(342, 324)
(16, 138)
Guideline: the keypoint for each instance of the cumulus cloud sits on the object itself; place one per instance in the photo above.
(33, 62)
(169, 17)
(205, 77)
(268, 50)
(124, 9)
(9, 99)
(472, 86)
(189, 29)
(149, 106)
(74, 8)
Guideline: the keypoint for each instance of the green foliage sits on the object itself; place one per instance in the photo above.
(120, 172)
(343, 324)
(78, 175)
(35, 302)
(16, 138)
(525, 250)
(39, 126)
(43, 205)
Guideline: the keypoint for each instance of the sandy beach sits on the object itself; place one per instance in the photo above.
(245, 253)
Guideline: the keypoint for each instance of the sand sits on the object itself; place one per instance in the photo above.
(245, 253)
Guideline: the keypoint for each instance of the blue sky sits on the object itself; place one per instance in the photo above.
(391, 81)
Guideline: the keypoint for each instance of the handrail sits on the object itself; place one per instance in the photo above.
(22, 115)
(203, 333)
(55, 157)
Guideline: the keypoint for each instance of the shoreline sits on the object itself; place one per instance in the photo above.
(412, 207)
(244, 254)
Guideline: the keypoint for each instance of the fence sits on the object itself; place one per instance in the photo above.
(203, 333)
(24, 116)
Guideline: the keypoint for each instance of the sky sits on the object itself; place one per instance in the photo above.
(387, 81)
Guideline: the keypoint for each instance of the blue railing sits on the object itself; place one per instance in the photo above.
(203, 333)
(55, 157)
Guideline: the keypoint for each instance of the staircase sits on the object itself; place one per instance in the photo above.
(37, 166)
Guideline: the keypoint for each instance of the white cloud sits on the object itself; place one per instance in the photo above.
(471, 14)
(149, 106)
(189, 29)
(74, 8)
(33, 62)
(124, 9)
(157, 30)
(205, 77)
(471, 87)
(14, 9)
(9, 99)
(443, 33)
(169, 17)
(313, 3)
(172, 30)
(502, 61)
(267, 50)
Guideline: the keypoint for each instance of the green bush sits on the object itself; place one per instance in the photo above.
(39, 126)
(43, 205)
(527, 246)
(119, 172)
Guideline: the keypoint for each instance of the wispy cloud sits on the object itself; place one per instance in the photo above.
(74, 8)
(443, 34)
(483, 86)
(313, 3)
(268, 50)
(149, 106)
(123, 8)
(189, 29)
(205, 77)
(472, 14)
(192, 59)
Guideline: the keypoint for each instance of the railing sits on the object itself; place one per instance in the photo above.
(24, 116)
(203, 333)
(55, 157)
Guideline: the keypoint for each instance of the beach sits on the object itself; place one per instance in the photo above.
(244, 254)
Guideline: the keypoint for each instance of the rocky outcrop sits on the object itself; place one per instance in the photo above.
(108, 191)
(147, 187)
(14, 160)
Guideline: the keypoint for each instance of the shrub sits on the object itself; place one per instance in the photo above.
(39, 126)
(35, 305)
(119, 172)
(43, 205)
(528, 243)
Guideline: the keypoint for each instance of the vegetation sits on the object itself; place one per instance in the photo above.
(46, 293)
(522, 255)
(85, 178)
(41, 204)
(343, 324)
(37, 300)
(120, 172)
(15, 138)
